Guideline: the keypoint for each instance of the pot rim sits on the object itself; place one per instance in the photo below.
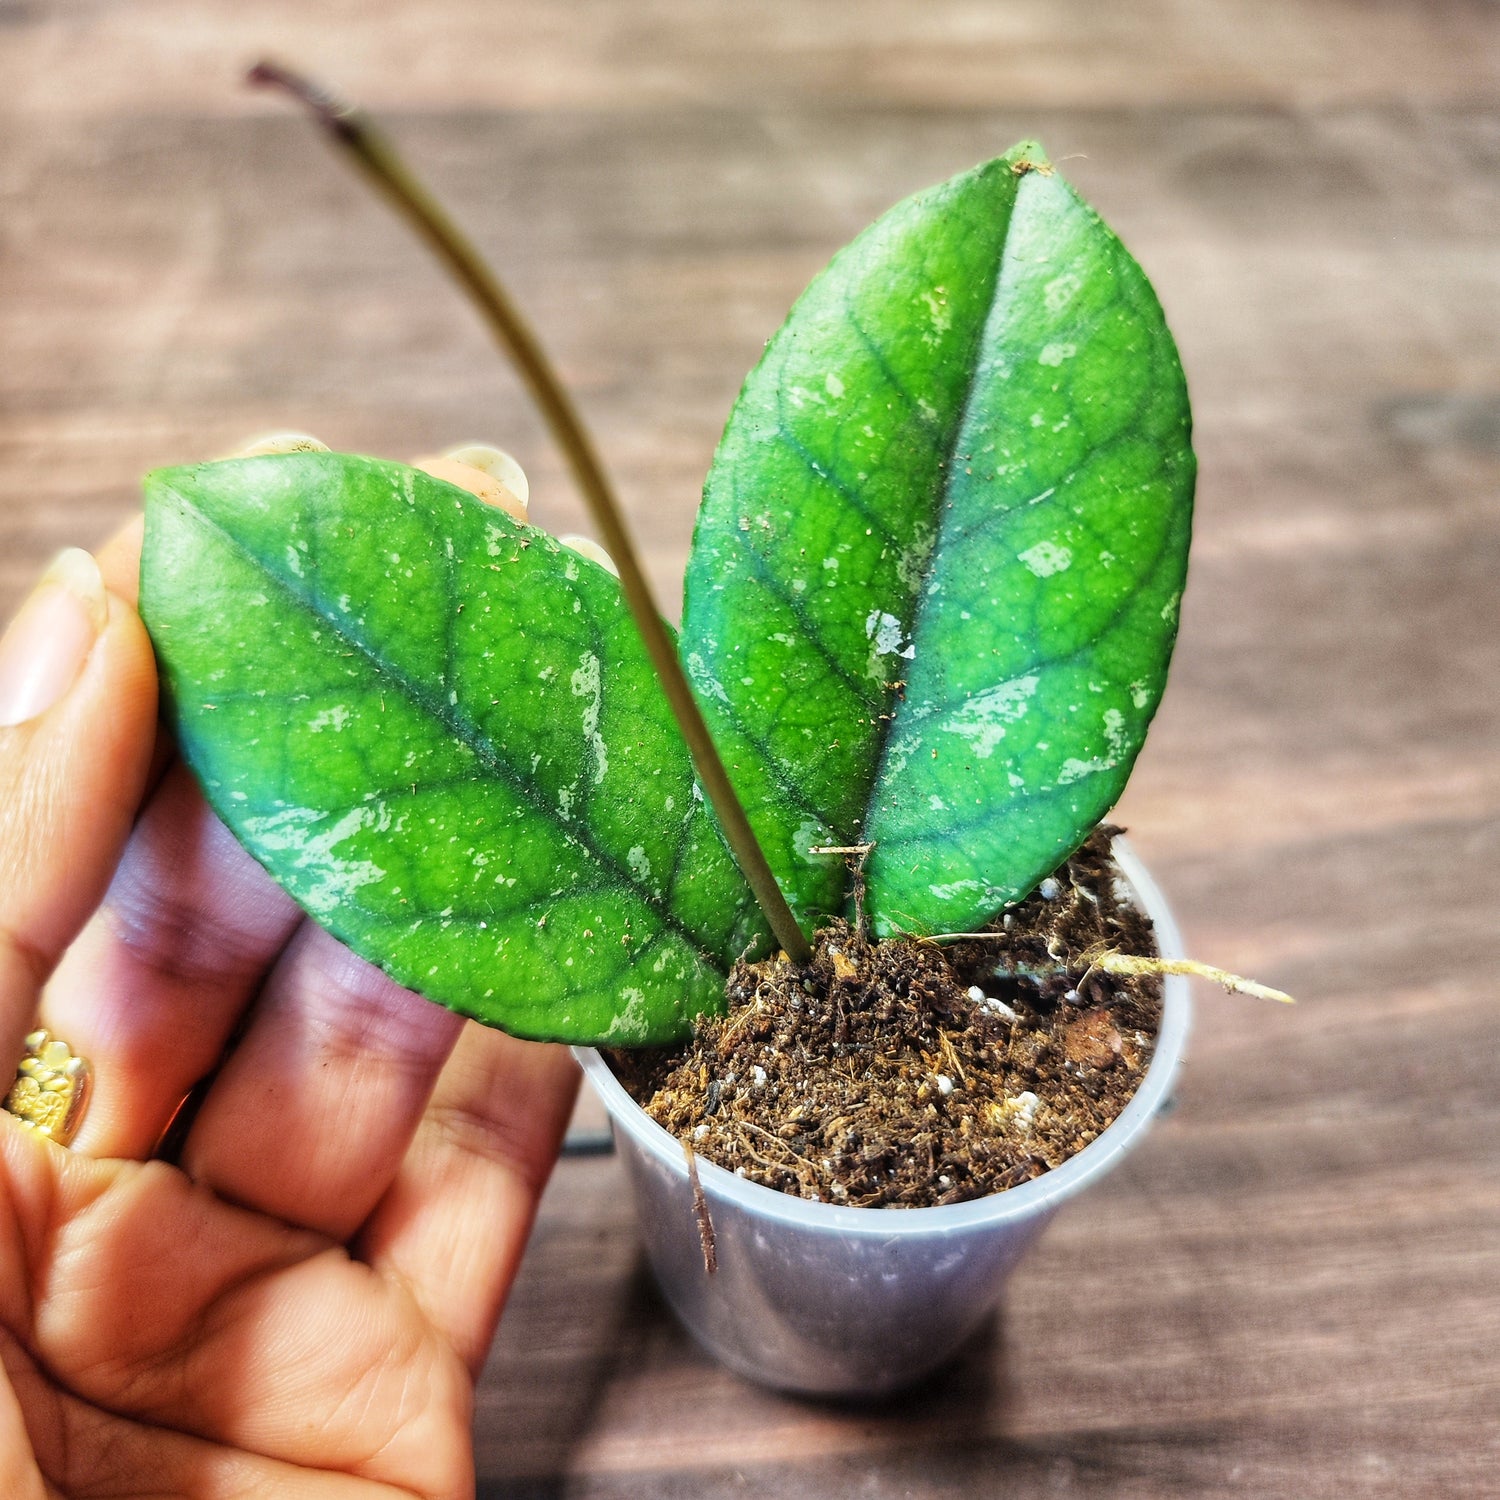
(1039, 1195)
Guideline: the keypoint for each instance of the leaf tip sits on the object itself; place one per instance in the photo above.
(1028, 156)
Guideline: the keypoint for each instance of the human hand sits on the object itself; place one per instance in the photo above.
(302, 1304)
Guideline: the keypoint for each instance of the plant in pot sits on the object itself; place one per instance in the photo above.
(928, 612)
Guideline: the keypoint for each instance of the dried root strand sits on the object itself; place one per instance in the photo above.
(706, 1237)
(1110, 962)
(1130, 965)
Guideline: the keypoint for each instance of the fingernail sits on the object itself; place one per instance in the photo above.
(44, 650)
(485, 486)
(495, 462)
(587, 547)
(275, 443)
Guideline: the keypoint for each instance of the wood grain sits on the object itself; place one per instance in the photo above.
(1294, 1289)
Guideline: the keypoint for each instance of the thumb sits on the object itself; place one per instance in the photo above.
(77, 720)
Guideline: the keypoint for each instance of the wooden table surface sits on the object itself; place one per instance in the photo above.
(1294, 1288)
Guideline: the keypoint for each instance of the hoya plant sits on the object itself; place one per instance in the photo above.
(928, 612)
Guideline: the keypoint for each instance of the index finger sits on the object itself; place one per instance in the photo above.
(156, 984)
(71, 771)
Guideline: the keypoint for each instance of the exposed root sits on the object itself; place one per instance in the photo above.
(1130, 964)
(706, 1237)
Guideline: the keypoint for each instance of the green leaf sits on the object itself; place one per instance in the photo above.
(438, 730)
(933, 589)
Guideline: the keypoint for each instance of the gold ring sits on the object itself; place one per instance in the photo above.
(51, 1090)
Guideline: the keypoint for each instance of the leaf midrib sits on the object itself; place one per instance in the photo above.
(946, 467)
(461, 727)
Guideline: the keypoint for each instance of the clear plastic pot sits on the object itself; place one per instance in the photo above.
(826, 1300)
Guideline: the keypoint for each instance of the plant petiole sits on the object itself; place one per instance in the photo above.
(383, 167)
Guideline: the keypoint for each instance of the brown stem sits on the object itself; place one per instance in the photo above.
(377, 159)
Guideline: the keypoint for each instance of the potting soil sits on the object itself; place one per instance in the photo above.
(904, 1073)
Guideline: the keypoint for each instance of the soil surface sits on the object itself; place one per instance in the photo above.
(904, 1074)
